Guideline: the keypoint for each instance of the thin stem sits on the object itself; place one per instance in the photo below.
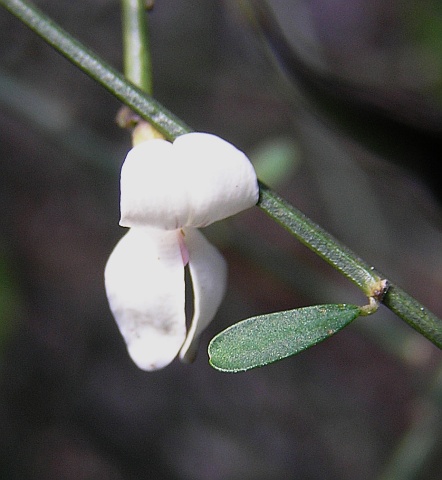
(136, 51)
(414, 313)
(342, 258)
(350, 265)
(163, 120)
(318, 240)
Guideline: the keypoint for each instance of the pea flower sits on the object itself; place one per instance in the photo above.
(168, 191)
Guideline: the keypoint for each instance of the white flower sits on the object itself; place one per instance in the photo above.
(168, 190)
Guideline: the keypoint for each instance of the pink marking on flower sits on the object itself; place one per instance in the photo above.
(183, 247)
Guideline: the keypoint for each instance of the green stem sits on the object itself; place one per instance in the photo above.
(136, 51)
(350, 265)
(318, 240)
(132, 96)
(342, 258)
(415, 314)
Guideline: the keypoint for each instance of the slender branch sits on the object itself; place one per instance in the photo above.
(318, 240)
(136, 51)
(414, 313)
(342, 258)
(163, 120)
(350, 265)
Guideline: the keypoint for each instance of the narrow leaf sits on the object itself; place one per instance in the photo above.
(261, 340)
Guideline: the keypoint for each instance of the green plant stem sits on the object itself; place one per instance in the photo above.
(132, 96)
(342, 258)
(414, 313)
(318, 240)
(136, 49)
(349, 264)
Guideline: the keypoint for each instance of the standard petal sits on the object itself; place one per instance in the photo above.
(144, 279)
(197, 180)
(208, 270)
(152, 191)
(222, 181)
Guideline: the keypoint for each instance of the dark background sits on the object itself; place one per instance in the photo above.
(338, 103)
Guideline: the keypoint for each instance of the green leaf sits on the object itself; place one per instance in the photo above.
(258, 341)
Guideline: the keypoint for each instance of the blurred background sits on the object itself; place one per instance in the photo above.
(339, 105)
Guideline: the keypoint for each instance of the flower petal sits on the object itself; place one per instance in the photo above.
(144, 280)
(197, 180)
(151, 188)
(222, 181)
(208, 270)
